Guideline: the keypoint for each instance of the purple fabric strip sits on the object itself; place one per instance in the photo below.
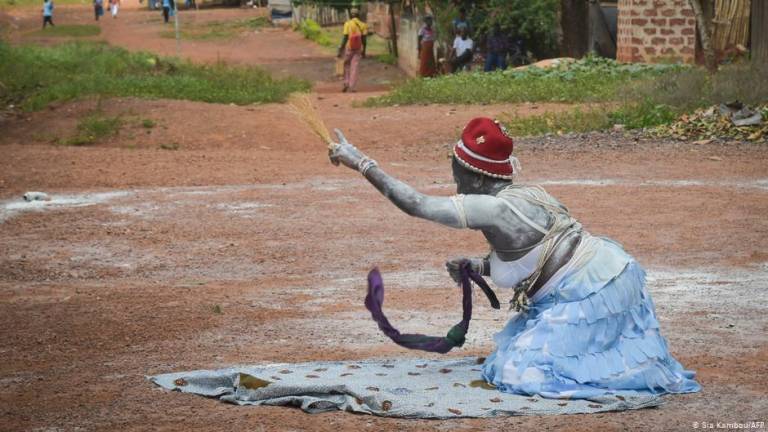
(455, 337)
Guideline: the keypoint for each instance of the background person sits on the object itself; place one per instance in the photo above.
(48, 13)
(98, 8)
(461, 21)
(167, 7)
(353, 44)
(498, 47)
(426, 48)
(462, 50)
(114, 7)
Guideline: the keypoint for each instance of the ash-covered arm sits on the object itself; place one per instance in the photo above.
(471, 211)
(414, 203)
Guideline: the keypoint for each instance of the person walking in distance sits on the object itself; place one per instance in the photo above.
(353, 44)
(98, 8)
(114, 7)
(167, 6)
(47, 13)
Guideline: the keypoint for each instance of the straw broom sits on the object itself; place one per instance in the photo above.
(301, 105)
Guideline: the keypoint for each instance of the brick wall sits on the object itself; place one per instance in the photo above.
(651, 31)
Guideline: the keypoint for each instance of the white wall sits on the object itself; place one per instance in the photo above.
(407, 45)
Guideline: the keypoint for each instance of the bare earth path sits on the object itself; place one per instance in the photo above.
(245, 245)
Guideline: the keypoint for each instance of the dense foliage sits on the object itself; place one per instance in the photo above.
(533, 21)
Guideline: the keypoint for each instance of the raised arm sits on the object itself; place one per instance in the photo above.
(471, 211)
(344, 39)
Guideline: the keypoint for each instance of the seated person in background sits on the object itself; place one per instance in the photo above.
(498, 47)
(462, 50)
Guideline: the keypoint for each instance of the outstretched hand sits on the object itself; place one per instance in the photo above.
(345, 153)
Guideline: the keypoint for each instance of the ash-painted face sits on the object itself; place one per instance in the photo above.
(463, 179)
(456, 178)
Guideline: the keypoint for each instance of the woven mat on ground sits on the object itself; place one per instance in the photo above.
(409, 388)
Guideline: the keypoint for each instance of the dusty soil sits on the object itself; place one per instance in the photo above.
(245, 245)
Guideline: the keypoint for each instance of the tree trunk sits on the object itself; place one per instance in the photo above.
(393, 29)
(574, 28)
(759, 46)
(705, 34)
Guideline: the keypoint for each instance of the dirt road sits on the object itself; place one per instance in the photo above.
(245, 245)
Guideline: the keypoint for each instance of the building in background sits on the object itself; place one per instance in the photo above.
(666, 30)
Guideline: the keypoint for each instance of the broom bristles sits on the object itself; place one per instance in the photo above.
(301, 105)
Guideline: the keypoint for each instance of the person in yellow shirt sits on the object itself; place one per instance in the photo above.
(352, 48)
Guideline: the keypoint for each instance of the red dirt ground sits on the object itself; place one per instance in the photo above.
(248, 215)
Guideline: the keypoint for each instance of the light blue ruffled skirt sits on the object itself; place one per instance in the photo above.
(595, 331)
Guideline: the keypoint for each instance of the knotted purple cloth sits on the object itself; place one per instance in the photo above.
(455, 337)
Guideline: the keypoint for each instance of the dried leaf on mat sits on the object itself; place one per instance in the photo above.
(483, 384)
(251, 382)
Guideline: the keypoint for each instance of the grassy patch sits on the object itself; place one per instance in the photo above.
(632, 116)
(650, 103)
(386, 58)
(653, 103)
(576, 120)
(693, 88)
(148, 123)
(322, 36)
(32, 3)
(216, 30)
(639, 97)
(587, 80)
(31, 77)
(68, 30)
(93, 128)
(644, 114)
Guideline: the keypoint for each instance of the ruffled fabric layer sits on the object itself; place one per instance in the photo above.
(594, 332)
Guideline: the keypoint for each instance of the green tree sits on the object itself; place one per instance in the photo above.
(534, 21)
